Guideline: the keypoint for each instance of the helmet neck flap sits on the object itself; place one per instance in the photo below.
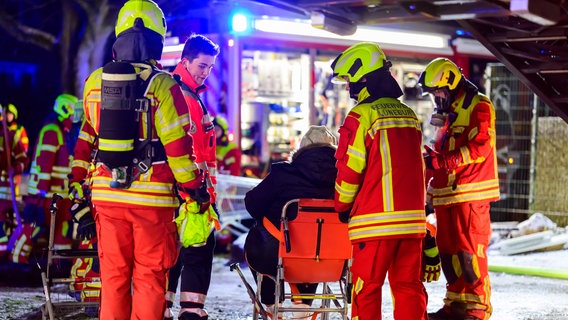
(138, 44)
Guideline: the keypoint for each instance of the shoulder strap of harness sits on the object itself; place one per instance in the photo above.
(470, 92)
(145, 150)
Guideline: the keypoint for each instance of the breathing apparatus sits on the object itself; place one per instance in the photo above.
(445, 78)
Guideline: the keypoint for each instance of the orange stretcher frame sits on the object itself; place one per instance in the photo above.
(314, 248)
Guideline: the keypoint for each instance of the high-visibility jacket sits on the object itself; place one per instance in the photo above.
(229, 158)
(20, 135)
(50, 166)
(171, 126)
(18, 140)
(469, 141)
(202, 129)
(380, 177)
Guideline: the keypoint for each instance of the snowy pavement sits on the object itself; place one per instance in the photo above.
(515, 297)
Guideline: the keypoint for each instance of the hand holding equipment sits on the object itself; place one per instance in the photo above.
(435, 160)
(190, 193)
(432, 159)
(431, 263)
(194, 226)
(81, 212)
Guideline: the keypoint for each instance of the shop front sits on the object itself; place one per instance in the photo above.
(275, 81)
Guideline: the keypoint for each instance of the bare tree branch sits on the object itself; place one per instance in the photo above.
(26, 34)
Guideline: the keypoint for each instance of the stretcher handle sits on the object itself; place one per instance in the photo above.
(286, 235)
(250, 291)
(53, 204)
(319, 221)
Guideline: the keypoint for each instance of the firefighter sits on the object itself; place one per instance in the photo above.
(195, 262)
(144, 155)
(464, 183)
(228, 153)
(20, 133)
(84, 269)
(48, 175)
(379, 189)
(18, 143)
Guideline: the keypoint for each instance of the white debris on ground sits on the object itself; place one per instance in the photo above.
(537, 233)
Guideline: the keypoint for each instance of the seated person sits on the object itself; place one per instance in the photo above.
(310, 174)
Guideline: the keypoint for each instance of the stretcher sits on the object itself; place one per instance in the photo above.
(61, 300)
(314, 248)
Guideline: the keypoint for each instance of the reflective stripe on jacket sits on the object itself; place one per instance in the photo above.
(470, 139)
(171, 125)
(381, 171)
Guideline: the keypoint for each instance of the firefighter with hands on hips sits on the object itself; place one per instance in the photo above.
(195, 262)
(228, 153)
(379, 189)
(464, 183)
(19, 161)
(48, 176)
(137, 120)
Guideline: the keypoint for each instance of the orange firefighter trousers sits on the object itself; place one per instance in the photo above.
(401, 258)
(462, 236)
(136, 249)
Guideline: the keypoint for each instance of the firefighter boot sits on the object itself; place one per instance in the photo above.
(440, 315)
(456, 311)
(192, 316)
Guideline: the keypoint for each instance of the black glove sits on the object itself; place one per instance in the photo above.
(344, 216)
(81, 212)
(201, 196)
(429, 209)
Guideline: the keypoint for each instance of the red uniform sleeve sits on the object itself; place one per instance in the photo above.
(83, 153)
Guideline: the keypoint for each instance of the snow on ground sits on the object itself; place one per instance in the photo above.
(515, 297)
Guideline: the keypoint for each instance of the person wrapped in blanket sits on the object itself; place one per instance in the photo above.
(310, 173)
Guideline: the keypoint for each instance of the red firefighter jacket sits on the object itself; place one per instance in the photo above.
(202, 129)
(380, 177)
(170, 126)
(20, 135)
(229, 158)
(19, 160)
(50, 166)
(468, 141)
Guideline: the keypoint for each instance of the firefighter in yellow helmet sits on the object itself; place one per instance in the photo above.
(144, 156)
(228, 153)
(13, 162)
(48, 175)
(380, 178)
(20, 133)
(464, 183)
